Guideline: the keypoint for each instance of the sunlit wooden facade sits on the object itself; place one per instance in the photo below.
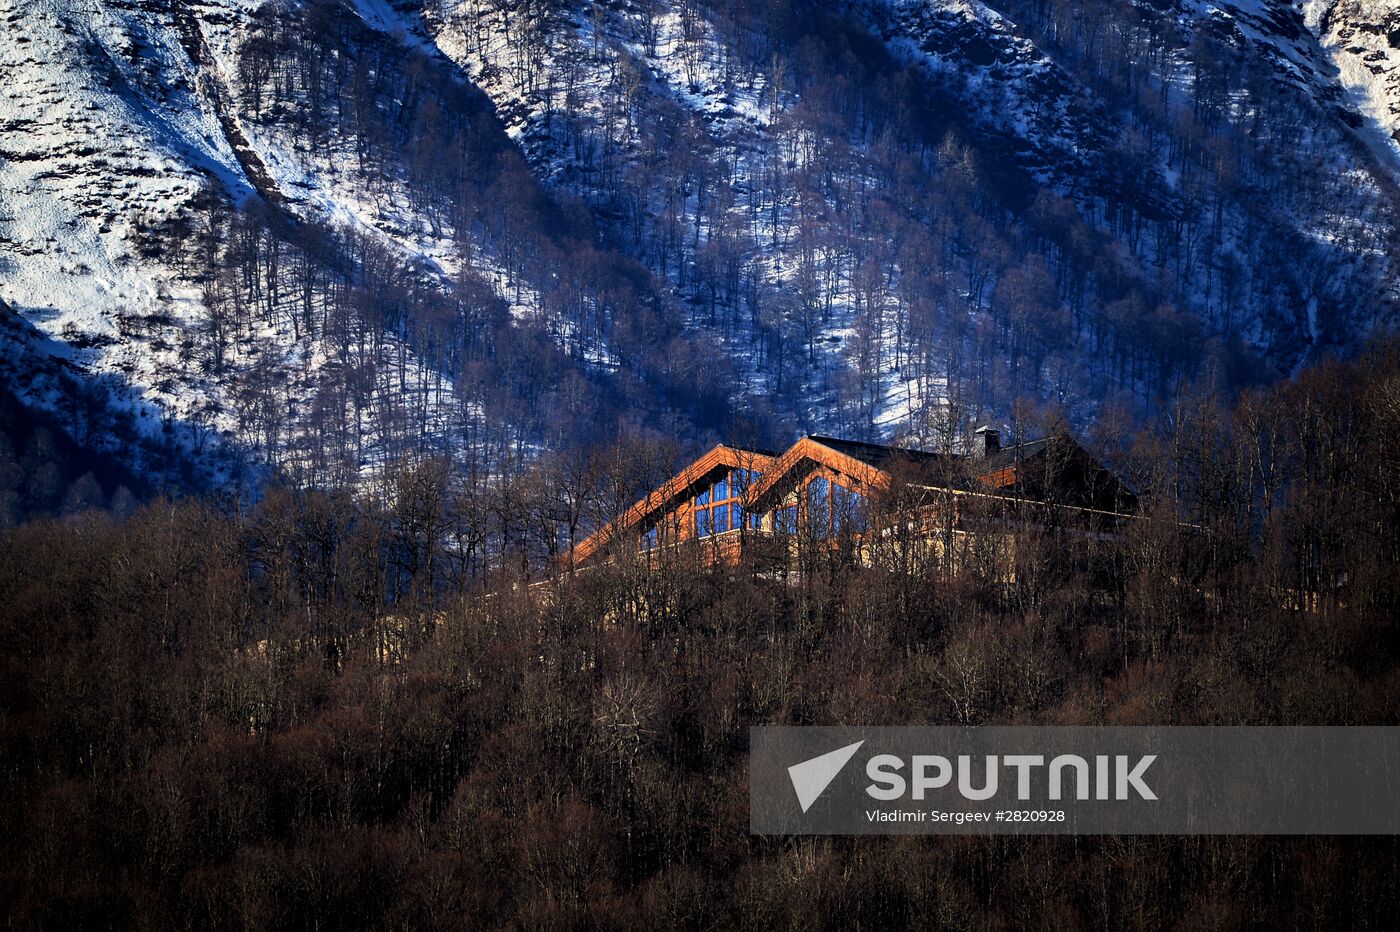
(827, 489)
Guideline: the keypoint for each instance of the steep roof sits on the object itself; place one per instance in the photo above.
(866, 464)
(875, 454)
(1055, 468)
(1018, 452)
(875, 467)
(1056, 460)
(722, 456)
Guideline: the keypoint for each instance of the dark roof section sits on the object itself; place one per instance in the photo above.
(1088, 482)
(1010, 456)
(1058, 468)
(880, 456)
(756, 451)
(875, 454)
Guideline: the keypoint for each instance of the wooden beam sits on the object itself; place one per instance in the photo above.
(870, 479)
(662, 498)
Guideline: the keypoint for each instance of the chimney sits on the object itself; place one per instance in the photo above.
(985, 441)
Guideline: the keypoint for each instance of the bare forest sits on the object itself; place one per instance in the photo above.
(326, 710)
(329, 329)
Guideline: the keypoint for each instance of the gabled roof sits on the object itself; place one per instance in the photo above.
(1020, 452)
(999, 469)
(1056, 468)
(865, 463)
(722, 456)
(871, 468)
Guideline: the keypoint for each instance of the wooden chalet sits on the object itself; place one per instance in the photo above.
(704, 501)
(823, 489)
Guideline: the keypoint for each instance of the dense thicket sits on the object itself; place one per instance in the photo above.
(308, 714)
(44, 471)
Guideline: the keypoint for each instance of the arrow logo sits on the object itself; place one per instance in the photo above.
(811, 777)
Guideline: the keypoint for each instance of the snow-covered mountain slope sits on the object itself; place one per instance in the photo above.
(1215, 162)
(1362, 38)
(329, 233)
(125, 130)
(114, 119)
(101, 133)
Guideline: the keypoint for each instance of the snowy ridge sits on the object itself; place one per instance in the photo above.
(110, 127)
(88, 155)
(566, 100)
(1011, 86)
(973, 202)
(569, 87)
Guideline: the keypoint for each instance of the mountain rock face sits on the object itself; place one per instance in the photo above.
(1362, 39)
(320, 235)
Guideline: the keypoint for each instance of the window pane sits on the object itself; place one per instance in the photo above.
(702, 522)
(785, 520)
(721, 519)
(721, 490)
(819, 506)
(850, 511)
(704, 498)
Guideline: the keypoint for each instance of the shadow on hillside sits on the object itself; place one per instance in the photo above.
(101, 423)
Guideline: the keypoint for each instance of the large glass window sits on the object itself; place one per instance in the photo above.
(666, 530)
(819, 506)
(743, 479)
(847, 510)
(832, 509)
(717, 507)
(785, 520)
